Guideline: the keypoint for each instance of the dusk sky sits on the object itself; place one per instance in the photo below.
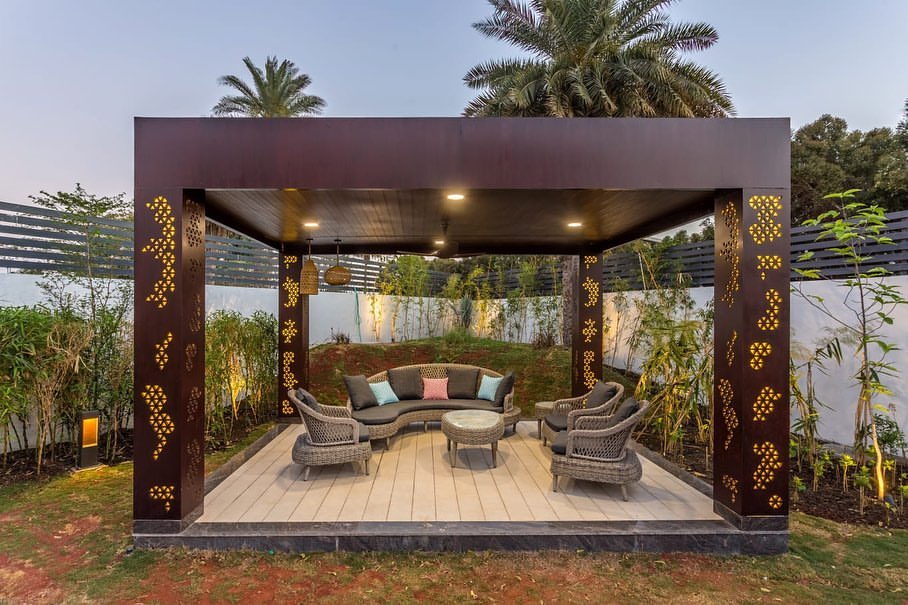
(76, 73)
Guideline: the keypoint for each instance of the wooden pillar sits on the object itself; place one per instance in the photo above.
(293, 335)
(586, 341)
(169, 348)
(751, 398)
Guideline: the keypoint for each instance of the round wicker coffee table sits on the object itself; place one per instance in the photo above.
(472, 427)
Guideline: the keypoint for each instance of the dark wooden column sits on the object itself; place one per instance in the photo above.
(169, 394)
(586, 342)
(751, 418)
(293, 335)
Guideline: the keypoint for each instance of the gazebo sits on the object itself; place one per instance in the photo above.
(528, 186)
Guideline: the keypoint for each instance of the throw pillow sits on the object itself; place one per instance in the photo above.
(383, 392)
(307, 398)
(361, 396)
(406, 382)
(488, 387)
(462, 383)
(627, 409)
(435, 388)
(504, 387)
(600, 394)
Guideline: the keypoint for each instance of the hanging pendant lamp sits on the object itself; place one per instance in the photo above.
(309, 274)
(337, 275)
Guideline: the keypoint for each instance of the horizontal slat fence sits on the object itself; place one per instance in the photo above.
(35, 240)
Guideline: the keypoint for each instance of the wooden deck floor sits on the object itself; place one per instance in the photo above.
(414, 481)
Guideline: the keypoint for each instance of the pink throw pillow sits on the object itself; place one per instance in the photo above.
(435, 388)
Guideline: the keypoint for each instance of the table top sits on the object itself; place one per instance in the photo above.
(477, 420)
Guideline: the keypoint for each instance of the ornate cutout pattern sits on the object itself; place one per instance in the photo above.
(592, 292)
(731, 484)
(289, 331)
(589, 261)
(161, 423)
(289, 378)
(775, 502)
(163, 493)
(193, 404)
(292, 290)
(160, 356)
(191, 351)
(759, 351)
(194, 468)
(770, 462)
(589, 331)
(589, 376)
(730, 348)
(197, 319)
(729, 415)
(766, 229)
(163, 248)
(729, 252)
(765, 404)
(195, 223)
(770, 319)
(768, 262)
(289, 259)
(287, 408)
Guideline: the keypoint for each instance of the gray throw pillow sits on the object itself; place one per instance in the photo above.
(627, 409)
(600, 394)
(462, 383)
(406, 383)
(504, 387)
(309, 399)
(361, 395)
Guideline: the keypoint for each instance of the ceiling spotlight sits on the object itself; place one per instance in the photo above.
(455, 196)
(311, 225)
(439, 242)
(575, 225)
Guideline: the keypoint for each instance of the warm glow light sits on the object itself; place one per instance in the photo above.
(311, 225)
(455, 196)
(89, 432)
(574, 225)
(439, 242)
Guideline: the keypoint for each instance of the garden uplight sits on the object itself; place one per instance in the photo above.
(88, 440)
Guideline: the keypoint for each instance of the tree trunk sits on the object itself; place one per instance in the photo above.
(570, 267)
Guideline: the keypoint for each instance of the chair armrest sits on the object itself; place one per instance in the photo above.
(509, 401)
(336, 411)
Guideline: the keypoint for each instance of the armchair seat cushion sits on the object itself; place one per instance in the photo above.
(556, 423)
(363, 432)
(559, 443)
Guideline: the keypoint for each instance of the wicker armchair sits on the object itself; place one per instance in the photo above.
(596, 453)
(331, 437)
(574, 408)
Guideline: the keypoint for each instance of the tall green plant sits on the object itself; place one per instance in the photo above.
(804, 400)
(869, 302)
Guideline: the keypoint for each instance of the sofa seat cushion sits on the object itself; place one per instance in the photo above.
(559, 443)
(391, 411)
(556, 423)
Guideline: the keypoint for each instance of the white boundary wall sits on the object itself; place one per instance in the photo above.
(338, 312)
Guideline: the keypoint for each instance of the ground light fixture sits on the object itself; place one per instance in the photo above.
(309, 275)
(337, 275)
(88, 440)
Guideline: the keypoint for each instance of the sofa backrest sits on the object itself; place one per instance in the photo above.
(435, 370)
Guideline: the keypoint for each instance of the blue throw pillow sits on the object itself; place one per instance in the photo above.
(383, 392)
(488, 387)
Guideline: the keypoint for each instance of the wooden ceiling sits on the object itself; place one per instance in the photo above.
(485, 221)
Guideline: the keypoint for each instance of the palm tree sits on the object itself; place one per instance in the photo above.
(275, 93)
(596, 58)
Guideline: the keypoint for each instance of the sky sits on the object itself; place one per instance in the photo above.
(74, 74)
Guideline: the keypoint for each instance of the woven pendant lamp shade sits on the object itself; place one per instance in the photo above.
(337, 275)
(309, 275)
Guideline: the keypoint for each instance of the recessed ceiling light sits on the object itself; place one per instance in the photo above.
(311, 225)
(575, 224)
(455, 196)
(439, 242)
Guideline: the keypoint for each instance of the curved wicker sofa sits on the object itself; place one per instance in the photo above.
(418, 410)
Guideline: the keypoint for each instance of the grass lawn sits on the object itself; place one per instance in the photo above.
(67, 540)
